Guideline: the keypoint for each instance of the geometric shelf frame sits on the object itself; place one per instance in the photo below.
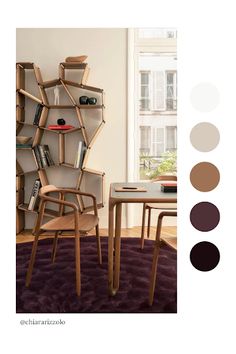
(67, 85)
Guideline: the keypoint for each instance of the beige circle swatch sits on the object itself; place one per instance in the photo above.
(205, 136)
(204, 176)
(205, 97)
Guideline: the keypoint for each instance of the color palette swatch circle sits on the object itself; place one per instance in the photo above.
(204, 176)
(204, 256)
(204, 216)
(204, 137)
(205, 97)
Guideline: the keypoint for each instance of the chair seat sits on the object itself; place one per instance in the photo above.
(169, 206)
(65, 223)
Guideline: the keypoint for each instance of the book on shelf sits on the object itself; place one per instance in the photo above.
(80, 155)
(37, 115)
(23, 146)
(34, 195)
(42, 156)
(60, 127)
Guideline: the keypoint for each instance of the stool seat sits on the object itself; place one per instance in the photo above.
(67, 223)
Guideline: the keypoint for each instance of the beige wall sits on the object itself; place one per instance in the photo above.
(106, 50)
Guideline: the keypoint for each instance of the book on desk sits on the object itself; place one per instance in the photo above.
(169, 187)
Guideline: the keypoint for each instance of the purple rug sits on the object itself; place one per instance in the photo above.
(52, 289)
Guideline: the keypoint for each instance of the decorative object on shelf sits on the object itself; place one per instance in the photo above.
(83, 100)
(60, 127)
(33, 201)
(23, 139)
(56, 95)
(78, 59)
(61, 121)
(92, 100)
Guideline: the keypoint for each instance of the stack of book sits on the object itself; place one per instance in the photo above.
(80, 155)
(42, 156)
(60, 127)
(23, 146)
(34, 195)
(169, 187)
(37, 115)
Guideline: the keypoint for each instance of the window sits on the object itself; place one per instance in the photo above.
(157, 33)
(144, 91)
(158, 83)
(171, 87)
(171, 138)
(145, 135)
(152, 122)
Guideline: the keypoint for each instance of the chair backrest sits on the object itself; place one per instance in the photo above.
(164, 178)
(47, 189)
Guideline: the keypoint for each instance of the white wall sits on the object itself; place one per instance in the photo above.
(106, 50)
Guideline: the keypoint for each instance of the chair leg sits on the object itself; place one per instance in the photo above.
(54, 249)
(98, 245)
(143, 225)
(155, 261)
(32, 259)
(149, 222)
(77, 263)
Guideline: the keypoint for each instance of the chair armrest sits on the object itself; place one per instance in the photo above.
(59, 201)
(75, 191)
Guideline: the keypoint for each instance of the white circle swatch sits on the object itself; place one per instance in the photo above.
(205, 97)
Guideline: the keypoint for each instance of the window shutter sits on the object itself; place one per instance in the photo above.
(158, 91)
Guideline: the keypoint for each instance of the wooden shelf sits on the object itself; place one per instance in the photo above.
(24, 148)
(79, 66)
(51, 83)
(32, 97)
(48, 212)
(26, 65)
(84, 87)
(60, 106)
(28, 124)
(92, 106)
(61, 131)
(27, 172)
(70, 165)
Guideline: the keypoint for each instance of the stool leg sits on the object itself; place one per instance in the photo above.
(143, 225)
(32, 259)
(77, 254)
(98, 245)
(54, 250)
(149, 222)
(155, 261)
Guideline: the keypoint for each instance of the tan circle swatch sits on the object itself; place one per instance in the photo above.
(205, 136)
(204, 176)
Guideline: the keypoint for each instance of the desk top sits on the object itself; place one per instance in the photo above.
(152, 195)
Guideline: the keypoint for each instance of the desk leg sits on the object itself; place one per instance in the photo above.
(117, 246)
(110, 248)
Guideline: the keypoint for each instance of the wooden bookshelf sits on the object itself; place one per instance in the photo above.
(42, 98)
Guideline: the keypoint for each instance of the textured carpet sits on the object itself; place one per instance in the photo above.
(52, 289)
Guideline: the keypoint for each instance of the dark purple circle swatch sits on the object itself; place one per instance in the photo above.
(204, 216)
(204, 256)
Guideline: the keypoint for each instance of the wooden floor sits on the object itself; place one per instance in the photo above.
(168, 234)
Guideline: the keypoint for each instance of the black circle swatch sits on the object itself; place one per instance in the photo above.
(204, 216)
(204, 256)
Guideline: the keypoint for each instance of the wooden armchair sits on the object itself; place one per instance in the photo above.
(80, 223)
(160, 206)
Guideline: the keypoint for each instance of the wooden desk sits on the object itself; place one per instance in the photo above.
(116, 199)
